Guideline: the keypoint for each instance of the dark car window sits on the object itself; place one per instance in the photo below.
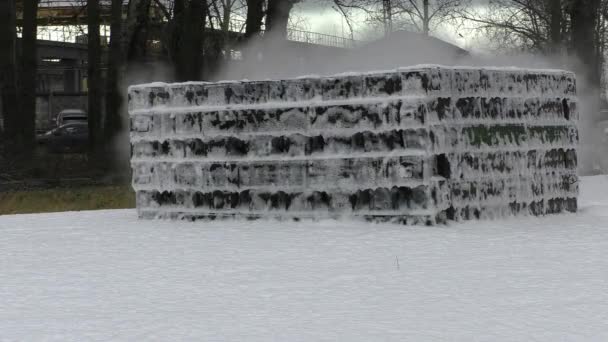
(74, 118)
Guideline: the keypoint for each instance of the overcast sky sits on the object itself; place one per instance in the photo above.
(319, 16)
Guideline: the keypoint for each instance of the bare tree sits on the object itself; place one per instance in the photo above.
(188, 27)
(277, 16)
(555, 24)
(530, 25)
(584, 19)
(601, 34)
(221, 17)
(8, 79)
(175, 29)
(28, 70)
(223, 12)
(138, 21)
(423, 15)
(418, 15)
(94, 75)
(255, 15)
(114, 97)
(387, 16)
(547, 26)
(300, 22)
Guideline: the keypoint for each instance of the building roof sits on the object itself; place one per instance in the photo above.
(402, 37)
(402, 48)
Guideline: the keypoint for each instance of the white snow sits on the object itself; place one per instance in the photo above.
(104, 275)
(370, 72)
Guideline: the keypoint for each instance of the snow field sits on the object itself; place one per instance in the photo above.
(108, 276)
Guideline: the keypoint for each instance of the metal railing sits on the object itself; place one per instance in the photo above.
(71, 33)
(309, 37)
(320, 39)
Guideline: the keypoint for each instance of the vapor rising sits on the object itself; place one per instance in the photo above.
(274, 58)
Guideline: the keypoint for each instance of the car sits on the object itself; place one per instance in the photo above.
(71, 115)
(70, 137)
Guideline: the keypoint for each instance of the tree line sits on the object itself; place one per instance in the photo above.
(184, 40)
(194, 35)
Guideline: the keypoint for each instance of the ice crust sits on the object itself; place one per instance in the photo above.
(415, 145)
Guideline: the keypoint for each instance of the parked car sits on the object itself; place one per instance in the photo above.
(71, 115)
(70, 137)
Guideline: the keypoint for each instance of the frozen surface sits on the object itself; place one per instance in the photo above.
(106, 275)
(419, 144)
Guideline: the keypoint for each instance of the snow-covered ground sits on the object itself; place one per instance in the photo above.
(104, 275)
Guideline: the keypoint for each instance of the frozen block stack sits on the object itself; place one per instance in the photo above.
(418, 146)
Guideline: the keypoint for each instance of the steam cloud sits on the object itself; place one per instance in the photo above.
(274, 58)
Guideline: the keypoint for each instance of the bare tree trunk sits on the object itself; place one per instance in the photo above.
(226, 15)
(114, 99)
(175, 30)
(277, 16)
(583, 16)
(387, 7)
(600, 38)
(255, 14)
(179, 8)
(555, 7)
(187, 40)
(8, 79)
(137, 30)
(253, 28)
(28, 71)
(94, 76)
(425, 18)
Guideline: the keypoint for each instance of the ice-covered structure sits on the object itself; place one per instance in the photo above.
(416, 145)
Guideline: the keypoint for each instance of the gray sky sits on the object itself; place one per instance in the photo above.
(319, 16)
